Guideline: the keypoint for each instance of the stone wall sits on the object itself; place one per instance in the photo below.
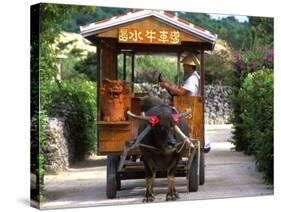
(57, 150)
(217, 108)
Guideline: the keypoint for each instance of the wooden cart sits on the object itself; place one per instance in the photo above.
(149, 32)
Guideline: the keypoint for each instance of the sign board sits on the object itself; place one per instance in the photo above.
(149, 36)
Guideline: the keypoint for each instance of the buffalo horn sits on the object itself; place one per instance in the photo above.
(183, 136)
(130, 114)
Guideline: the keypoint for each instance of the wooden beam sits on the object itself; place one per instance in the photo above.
(178, 69)
(202, 77)
(98, 88)
(133, 70)
(202, 72)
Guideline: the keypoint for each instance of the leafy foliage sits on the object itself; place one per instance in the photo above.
(148, 68)
(218, 64)
(43, 61)
(229, 28)
(256, 97)
(88, 66)
(79, 19)
(252, 103)
(217, 67)
(75, 100)
(262, 30)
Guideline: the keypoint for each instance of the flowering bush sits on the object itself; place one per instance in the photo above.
(258, 58)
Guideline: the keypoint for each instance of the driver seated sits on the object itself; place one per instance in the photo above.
(190, 86)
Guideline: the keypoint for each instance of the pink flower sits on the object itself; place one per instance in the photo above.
(262, 48)
(239, 65)
(265, 60)
(254, 64)
(270, 54)
(236, 54)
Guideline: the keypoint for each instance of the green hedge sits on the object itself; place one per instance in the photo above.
(256, 96)
(75, 100)
(252, 104)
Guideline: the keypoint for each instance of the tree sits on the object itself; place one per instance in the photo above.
(73, 23)
(88, 66)
(228, 29)
(262, 29)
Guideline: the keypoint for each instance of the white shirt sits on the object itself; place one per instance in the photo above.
(192, 84)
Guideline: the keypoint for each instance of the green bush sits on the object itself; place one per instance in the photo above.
(148, 68)
(218, 64)
(88, 66)
(252, 104)
(256, 96)
(75, 100)
(37, 144)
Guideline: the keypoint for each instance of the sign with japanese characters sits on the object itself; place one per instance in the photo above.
(153, 36)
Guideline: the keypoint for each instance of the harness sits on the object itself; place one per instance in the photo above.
(171, 150)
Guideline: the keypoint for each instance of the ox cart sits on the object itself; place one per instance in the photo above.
(131, 34)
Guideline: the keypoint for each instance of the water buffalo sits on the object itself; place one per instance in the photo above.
(162, 146)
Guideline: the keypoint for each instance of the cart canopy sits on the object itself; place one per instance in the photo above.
(158, 28)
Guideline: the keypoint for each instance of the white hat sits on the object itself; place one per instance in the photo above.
(190, 59)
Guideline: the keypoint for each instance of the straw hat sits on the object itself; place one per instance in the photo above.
(191, 59)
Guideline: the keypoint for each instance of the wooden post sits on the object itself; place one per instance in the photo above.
(98, 64)
(99, 61)
(202, 72)
(133, 70)
(116, 65)
(178, 70)
(202, 87)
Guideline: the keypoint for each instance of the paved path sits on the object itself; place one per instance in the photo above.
(228, 174)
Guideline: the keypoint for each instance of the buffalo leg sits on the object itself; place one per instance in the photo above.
(149, 194)
(172, 193)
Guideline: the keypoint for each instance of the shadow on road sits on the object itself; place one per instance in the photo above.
(95, 161)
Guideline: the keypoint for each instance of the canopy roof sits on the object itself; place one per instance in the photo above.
(100, 26)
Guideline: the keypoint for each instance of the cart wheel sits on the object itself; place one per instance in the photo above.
(111, 176)
(193, 176)
(202, 168)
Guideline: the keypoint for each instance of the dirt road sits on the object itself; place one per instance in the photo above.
(228, 174)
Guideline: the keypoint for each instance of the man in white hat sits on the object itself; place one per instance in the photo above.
(190, 86)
